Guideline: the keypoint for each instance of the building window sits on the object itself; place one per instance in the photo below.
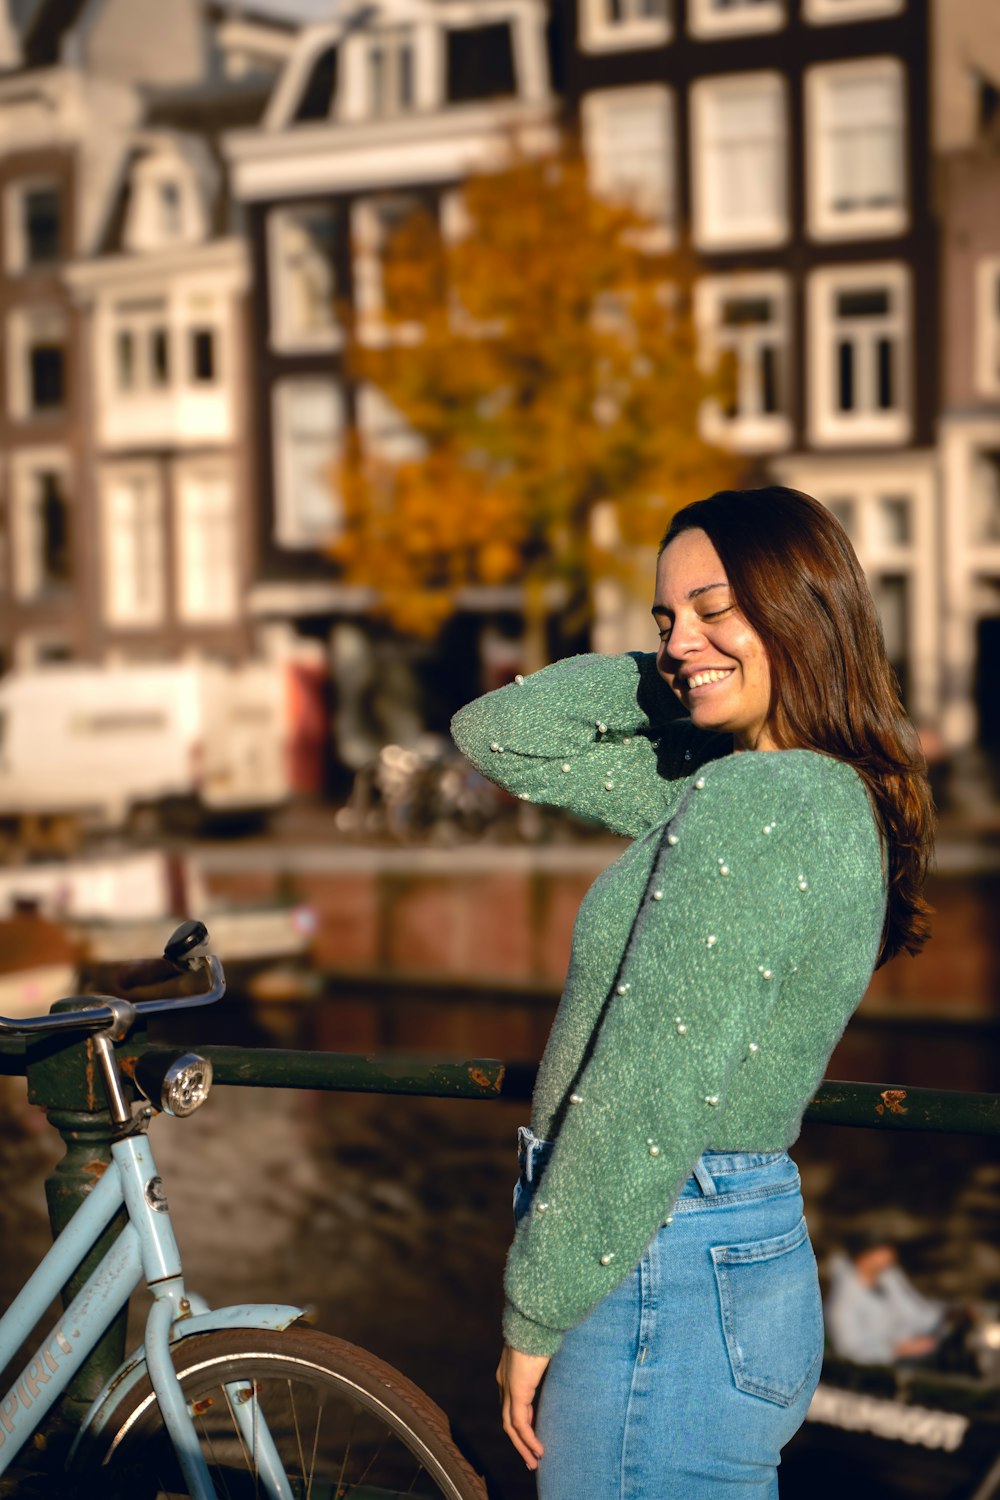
(891, 593)
(33, 213)
(893, 518)
(746, 318)
(987, 352)
(479, 63)
(203, 358)
(134, 552)
(37, 361)
(171, 206)
(739, 172)
(308, 423)
(320, 91)
(374, 222)
(829, 12)
(207, 566)
(984, 499)
(42, 525)
(859, 353)
(629, 142)
(141, 344)
(856, 131)
(47, 376)
(391, 73)
(711, 18)
(302, 245)
(385, 432)
(609, 24)
(844, 510)
(40, 206)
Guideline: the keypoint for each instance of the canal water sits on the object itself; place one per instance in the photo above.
(391, 1216)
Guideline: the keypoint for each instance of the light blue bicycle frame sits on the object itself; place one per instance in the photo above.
(145, 1250)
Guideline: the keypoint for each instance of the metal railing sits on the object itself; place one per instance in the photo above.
(62, 1079)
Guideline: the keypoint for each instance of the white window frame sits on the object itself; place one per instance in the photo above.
(15, 240)
(25, 465)
(145, 607)
(828, 426)
(710, 231)
(25, 328)
(749, 431)
(597, 109)
(705, 21)
(285, 337)
(367, 245)
(987, 334)
(830, 12)
(825, 221)
(208, 564)
(288, 529)
(915, 478)
(142, 317)
(392, 39)
(597, 33)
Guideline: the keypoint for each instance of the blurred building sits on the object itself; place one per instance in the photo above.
(185, 211)
(127, 488)
(379, 112)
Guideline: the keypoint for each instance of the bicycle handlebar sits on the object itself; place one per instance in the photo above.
(98, 1012)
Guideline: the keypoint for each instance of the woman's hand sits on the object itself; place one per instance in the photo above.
(519, 1376)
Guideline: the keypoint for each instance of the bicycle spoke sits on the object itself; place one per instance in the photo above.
(219, 1472)
(315, 1450)
(298, 1434)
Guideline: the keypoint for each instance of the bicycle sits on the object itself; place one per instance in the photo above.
(217, 1404)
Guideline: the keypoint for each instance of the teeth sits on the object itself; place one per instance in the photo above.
(714, 675)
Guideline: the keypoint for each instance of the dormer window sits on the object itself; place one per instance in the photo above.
(171, 217)
(170, 199)
(391, 73)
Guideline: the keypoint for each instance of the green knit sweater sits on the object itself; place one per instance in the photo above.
(713, 969)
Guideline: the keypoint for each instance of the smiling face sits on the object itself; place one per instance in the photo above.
(709, 655)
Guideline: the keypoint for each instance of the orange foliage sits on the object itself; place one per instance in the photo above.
(545, 362)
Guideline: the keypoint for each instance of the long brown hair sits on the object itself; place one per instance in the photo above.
(796, 580)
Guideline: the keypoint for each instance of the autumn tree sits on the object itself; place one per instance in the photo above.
(544, 363)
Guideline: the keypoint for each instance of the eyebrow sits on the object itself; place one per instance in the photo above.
(704, 588)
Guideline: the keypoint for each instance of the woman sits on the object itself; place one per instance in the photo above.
(661, 1277)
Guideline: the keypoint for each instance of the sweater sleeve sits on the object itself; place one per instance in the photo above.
(720, 928)
(602, 736)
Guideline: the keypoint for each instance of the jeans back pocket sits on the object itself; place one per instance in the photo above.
(772, 1313)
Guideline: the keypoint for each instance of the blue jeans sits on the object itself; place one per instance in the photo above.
(687, 1380)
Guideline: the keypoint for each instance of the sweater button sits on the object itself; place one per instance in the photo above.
(576, 1098)
(712, 1099)
(607, 1257)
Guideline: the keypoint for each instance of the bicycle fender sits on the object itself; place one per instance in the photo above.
(269, 1315)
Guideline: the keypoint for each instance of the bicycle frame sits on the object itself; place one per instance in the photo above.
(145, 1250)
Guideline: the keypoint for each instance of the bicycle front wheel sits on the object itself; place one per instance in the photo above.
(341, 1424)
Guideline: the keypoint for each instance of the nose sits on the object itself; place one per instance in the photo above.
(687, 636)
